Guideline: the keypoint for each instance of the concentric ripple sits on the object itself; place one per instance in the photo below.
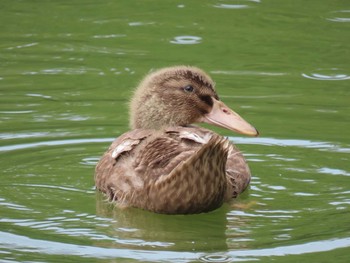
(186, 40)
(327, 74)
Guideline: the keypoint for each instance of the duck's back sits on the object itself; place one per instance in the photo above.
(176, 170)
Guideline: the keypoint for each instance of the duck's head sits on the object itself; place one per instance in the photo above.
(179, 96)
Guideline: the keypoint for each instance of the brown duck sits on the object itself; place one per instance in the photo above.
(166, 165)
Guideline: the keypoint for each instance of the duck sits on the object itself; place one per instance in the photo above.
(166, 163)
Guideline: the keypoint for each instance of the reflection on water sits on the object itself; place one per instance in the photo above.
(162, 230)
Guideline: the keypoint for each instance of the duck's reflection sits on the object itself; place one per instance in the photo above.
(209, 232)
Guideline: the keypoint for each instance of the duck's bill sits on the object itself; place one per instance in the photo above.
(223, 116)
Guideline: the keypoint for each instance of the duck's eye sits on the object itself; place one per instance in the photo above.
(188, 88)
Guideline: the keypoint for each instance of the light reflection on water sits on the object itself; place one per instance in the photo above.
(65, 71)
(342, 16)
(186, 40)
(327, 74)
(292, 143)
(229, 6)
(237, 4)
(22, 243)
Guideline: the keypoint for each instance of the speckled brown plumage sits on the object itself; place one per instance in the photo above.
(163, 164)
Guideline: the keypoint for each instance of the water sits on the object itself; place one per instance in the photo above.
(67, 70)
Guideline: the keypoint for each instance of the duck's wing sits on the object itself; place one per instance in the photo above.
(139, 157)
(107, 167)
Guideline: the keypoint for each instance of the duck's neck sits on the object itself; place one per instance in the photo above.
(155, 120)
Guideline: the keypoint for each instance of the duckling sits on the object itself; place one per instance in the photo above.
(165, 164)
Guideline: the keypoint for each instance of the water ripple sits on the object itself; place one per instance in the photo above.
(26, 244)
(326, 74)
(304, 194)
(65, 71)
(340, 16)
(186, 40)
(262, 214)
(247, 72)
(16, 111)
(7, 136)
(327, 170)
(24, 45)
(215, 258)
(10, 205)
(56, 187)
(91, 161)
(292, 142)
(141, 23)
(109, 36)
(231, 6)
(51, 143)
(237, 140)
(238, 5)
(39, 95)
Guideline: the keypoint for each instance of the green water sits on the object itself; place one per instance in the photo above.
(67, 70)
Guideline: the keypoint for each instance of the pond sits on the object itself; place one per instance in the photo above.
(67, 71)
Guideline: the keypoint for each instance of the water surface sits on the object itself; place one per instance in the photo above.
(67, 70)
